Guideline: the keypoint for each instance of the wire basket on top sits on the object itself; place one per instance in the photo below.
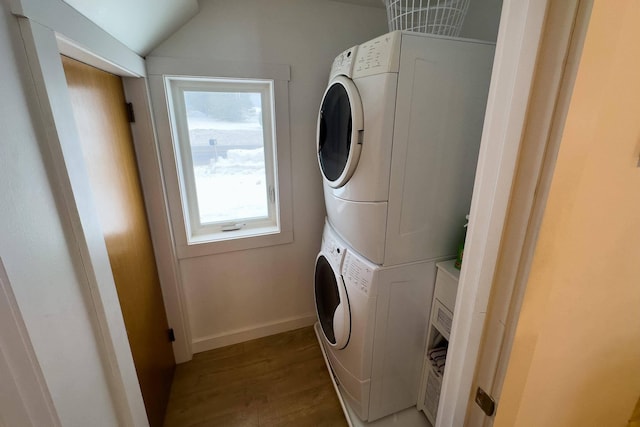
(443, 17)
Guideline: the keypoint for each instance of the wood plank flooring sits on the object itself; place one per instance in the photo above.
(279, 380)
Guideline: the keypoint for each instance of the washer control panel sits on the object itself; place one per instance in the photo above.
(357, 274)
(333, 252)
(380, 55)
(343, 64)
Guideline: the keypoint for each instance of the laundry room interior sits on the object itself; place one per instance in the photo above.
(318, 212)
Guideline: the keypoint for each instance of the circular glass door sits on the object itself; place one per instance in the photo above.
(340, 126)
(332, 304)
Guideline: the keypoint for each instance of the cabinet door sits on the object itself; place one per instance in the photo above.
(441, 318)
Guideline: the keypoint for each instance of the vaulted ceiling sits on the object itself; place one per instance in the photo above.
(139, 24)
(142, 25)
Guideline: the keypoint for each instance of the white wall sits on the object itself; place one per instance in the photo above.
(38, 260)
(482, 20)
(255, 288)
(230, 297)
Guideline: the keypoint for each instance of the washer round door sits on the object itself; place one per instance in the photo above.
(332, 304)
(339, 134)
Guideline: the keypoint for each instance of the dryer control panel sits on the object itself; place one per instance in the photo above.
(343, 64)
(380, 55)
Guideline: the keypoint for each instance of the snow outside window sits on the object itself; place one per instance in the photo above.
(224, 141)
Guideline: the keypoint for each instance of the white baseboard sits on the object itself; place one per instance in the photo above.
(240, 335)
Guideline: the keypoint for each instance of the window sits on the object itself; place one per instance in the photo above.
(225, 151)
(224, 142)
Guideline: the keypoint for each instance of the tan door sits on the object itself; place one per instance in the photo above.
(100, 113)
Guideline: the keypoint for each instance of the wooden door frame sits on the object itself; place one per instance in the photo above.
(48, 29)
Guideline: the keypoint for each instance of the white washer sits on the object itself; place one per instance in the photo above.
(398, 135)
(374, 326)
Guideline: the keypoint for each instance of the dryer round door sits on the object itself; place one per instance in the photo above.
(340, 131)
(332, 304)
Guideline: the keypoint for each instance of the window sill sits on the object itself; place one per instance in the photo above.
(240, 233)
(234, 243)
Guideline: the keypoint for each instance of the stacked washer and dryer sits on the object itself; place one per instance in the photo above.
(398, 136)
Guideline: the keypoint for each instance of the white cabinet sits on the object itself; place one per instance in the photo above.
(442, 309)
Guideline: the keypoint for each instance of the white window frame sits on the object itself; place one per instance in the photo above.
(198, 232)
(191, 238)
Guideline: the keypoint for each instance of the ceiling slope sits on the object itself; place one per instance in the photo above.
(140, 25)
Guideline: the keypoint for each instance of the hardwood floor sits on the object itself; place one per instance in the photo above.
(279, 380)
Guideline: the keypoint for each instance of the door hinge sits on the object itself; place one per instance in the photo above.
(485, 402)
(172, 335)
(130, 116)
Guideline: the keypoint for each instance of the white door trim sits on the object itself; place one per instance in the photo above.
(564, 34)
(71, 186)
(65, 20)
(79, 38)
(44, 36)
(518, 41)
(24, 396)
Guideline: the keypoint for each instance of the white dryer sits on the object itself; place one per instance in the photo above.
(374, 325)
(398, 135)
